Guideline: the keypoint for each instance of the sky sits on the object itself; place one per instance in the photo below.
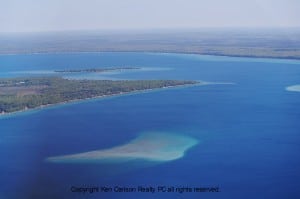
(63, 15)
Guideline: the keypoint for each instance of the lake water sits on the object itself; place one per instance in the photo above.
(248, 133)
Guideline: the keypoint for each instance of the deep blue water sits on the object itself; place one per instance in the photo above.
(249, 132)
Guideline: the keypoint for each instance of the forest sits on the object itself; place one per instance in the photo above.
(18, 94)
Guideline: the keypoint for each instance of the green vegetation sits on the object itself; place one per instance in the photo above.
(96, 70)
(18, 94)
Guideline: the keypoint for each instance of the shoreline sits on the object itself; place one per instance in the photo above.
(75, 101)
(156, 52)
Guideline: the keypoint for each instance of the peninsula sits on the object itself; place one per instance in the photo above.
(18, 94)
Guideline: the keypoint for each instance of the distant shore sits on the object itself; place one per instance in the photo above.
(158, 52)
(281, 43)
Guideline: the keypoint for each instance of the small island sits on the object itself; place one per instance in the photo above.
(96, 70)
(19, 94)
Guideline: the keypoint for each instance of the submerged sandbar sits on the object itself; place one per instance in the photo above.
(294, 88)
(157, 147)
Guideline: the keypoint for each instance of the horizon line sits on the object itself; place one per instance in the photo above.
(153, 30)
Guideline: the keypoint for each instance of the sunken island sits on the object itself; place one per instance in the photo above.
(23, 93)
(98, 70)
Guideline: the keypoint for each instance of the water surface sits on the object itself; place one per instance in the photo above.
(248, 131)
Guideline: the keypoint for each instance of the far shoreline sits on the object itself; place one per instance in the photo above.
(288, 58)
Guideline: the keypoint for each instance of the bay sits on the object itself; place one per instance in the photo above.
(247, 132)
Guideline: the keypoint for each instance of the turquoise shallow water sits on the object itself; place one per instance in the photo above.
(248, 132)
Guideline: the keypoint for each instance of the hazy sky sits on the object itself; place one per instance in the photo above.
(45, 15)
